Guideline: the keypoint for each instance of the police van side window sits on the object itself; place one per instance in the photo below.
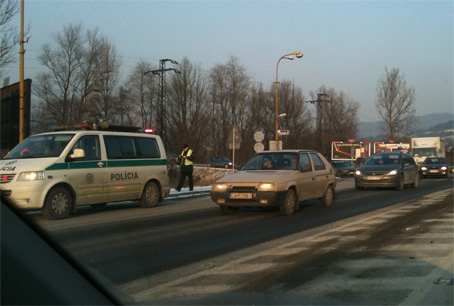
(90, 145)
(119, 147)
(127, 147)
(147, 147)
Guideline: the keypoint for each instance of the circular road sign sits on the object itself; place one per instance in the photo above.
(258, 136)
(259, 147)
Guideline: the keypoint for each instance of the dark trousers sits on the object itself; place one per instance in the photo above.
(186, 171)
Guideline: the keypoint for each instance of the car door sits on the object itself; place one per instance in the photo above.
(410, 169)
(124, 181)
(321, 175)
(306, 178)
(88, 174)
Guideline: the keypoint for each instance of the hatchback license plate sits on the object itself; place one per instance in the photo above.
(433, 171)
(373, 178)
(238, 195)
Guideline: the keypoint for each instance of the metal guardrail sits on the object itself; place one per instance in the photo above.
(187, 193)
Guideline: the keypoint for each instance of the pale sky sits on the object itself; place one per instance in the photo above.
(346, 44)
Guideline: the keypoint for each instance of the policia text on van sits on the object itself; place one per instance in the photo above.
(56, 172)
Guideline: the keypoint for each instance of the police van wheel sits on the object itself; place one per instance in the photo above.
(150, 196)
(59, 204)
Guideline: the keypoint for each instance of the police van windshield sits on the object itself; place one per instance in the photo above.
(50, 145)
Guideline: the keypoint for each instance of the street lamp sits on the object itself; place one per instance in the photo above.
(289, 56)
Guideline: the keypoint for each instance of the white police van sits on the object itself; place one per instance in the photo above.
(59, 171)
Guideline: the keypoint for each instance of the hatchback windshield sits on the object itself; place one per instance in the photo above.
(272, 161)
(50, 145)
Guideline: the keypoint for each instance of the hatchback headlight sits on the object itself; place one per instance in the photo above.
(444, 168)
(393, 172)
(31, 176)
(219, 187)
(266, 187)
(423, 168)
(358, 172)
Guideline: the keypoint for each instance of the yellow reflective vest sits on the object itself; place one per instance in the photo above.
(186, 161)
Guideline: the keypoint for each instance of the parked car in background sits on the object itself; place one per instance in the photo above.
(219, 161)
(360, 161)
(277, 178)
(388, 169)
(434, 166)
(344, 167)
(172, 159)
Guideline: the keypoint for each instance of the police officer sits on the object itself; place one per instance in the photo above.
(186, 160)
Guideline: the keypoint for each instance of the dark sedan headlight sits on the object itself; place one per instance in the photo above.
(423, 168)
(444, 168)
(392, 172)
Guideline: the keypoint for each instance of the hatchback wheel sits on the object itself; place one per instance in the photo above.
(288, 207)
(328, 197)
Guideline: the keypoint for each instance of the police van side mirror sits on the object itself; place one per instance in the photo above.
(78, 153)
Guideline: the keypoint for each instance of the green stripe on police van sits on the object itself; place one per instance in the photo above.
(108, 164)
(136, 162)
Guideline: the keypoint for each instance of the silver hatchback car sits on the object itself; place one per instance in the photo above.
(277, 178)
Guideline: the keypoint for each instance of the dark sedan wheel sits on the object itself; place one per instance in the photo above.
(416, 181)
(401, 183)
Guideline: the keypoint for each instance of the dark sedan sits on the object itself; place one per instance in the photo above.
(388, 169)
(434, 166)
(344, 167)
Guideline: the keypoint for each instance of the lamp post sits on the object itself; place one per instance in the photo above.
(289, 56)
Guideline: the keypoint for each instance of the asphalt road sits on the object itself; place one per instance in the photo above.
(187, 252)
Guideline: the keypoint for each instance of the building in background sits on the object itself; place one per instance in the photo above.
(9, 114)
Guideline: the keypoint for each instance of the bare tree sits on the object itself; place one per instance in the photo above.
(188, 114)
(340, 118)
(9, 36)
(58, 88)
(106, 79)
(298, 116)
(229, 91)
(83, 70)
(395, 104)
(141, 95)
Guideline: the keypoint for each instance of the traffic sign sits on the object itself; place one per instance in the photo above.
(259, 136)
(284, 132)
(259, 147)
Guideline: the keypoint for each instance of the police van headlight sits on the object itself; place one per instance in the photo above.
(31, 176)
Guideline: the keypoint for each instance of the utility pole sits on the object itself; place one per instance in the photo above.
(321, 97)
(162, 116)
(21, 77)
